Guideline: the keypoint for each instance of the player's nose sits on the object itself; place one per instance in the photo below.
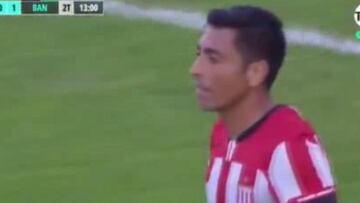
(196, 70)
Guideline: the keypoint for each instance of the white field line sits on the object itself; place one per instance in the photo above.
(196, 20)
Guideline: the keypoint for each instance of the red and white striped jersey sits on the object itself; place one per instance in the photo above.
(277, 160)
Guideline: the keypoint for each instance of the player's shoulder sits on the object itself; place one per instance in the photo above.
(284, 126)
(300, 159)
(287, 124)
(293, 135)
(284, 122)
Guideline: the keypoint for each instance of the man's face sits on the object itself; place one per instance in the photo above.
(219, 71)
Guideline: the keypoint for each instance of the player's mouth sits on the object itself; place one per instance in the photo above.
(202, 93)
(201, 88)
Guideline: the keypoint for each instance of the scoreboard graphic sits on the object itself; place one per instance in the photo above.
(52, 7)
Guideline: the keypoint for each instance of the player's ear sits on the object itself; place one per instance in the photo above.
(257, 72)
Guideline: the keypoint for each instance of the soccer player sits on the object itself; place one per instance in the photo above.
(261, 152)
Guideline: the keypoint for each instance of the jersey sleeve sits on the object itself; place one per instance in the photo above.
(299, 171)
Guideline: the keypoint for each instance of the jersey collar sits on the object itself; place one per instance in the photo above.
(249, 131)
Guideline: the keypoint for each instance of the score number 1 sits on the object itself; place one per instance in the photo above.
(10, 8)
(4, 7)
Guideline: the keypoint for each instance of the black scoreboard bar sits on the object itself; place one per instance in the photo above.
(52, 7)
(37, 7)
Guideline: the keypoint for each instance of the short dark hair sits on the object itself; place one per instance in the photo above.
(259, 35)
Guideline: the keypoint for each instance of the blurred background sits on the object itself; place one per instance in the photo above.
(102, 110)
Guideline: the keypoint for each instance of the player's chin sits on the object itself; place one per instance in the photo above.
(207, 106)
(206, 101)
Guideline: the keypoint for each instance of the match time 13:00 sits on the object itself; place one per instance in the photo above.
(89, 7)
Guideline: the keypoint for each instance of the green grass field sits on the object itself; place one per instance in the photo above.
(102, 110)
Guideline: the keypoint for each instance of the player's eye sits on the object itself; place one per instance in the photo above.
(213, 60)
(197, 51)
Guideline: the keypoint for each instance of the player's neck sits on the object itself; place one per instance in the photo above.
(245, 113)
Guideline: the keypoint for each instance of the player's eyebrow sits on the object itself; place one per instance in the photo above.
(209, 51)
